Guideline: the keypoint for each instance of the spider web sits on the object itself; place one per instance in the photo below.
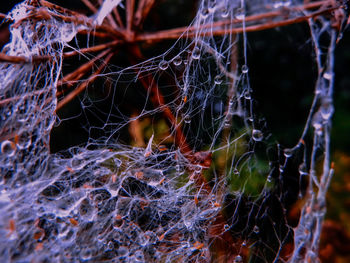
(178, 165)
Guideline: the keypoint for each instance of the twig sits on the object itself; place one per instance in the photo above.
(130, 7)
(13, 59)
(83, 85)
(79, 72)
(143, 9)
(117, 17)
(90, 6)
(92, 49)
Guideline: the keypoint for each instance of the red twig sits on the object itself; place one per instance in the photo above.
(84, 85)
(79, 72)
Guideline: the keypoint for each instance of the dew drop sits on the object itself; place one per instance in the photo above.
(281, 168)
(281, 3)
(327, 109)
(235, 171)
(198, 169)
(163, 65)
(24, 140)
(303, 170)
(245, 69)
(227, 124)
(212, 6)
(327, 75)
(218, 80)
(187, 118)
(196, 53)
(240, 14)
(269, 178)
(205, 12)
(256, 229)
(177, 167)
(226, 227)
(238, 259)
(177, 60)
(8, 112)
(85, 254)
(139, 256)
(8, 148)
(247, 95)
(288, 152)
(257, 135)
(224, 12)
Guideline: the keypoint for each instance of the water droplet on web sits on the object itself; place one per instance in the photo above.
(117, 162)
(281, 3)
(177, 60)
(247, 95)
(8, 112)
(163, 65)
(257, 135)
(244, 243)
(139, 256)
(327, 109)
(204, 13)
(240, 13)
(245, 69)
(198, 169)
(327, 75)
(256, 229)
(227, 124)
(235, 171)
(224, 12)
(269, 178)
(303, 170)
(187, 118)
(288, 152)
(226, 227)
(110, 245)
(218, 80)
(212, 6)
(196, 53)
(86, 254)
(238, 259)
(8, 148)
(281, 168)
(24, 140)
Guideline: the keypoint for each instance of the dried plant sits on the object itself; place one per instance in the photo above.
(172, 168)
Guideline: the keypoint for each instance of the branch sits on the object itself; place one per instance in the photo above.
(84, 85)
(217, 30)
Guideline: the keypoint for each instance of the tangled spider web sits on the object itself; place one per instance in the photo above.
(178, 165)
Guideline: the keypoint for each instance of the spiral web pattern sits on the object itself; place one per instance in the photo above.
(203, 184)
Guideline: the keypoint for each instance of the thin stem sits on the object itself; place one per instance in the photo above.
(130, 7)
(90, 6)
(193, 31)
(143, 9)
(79, 72)
(83, 85)
(91, 49)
